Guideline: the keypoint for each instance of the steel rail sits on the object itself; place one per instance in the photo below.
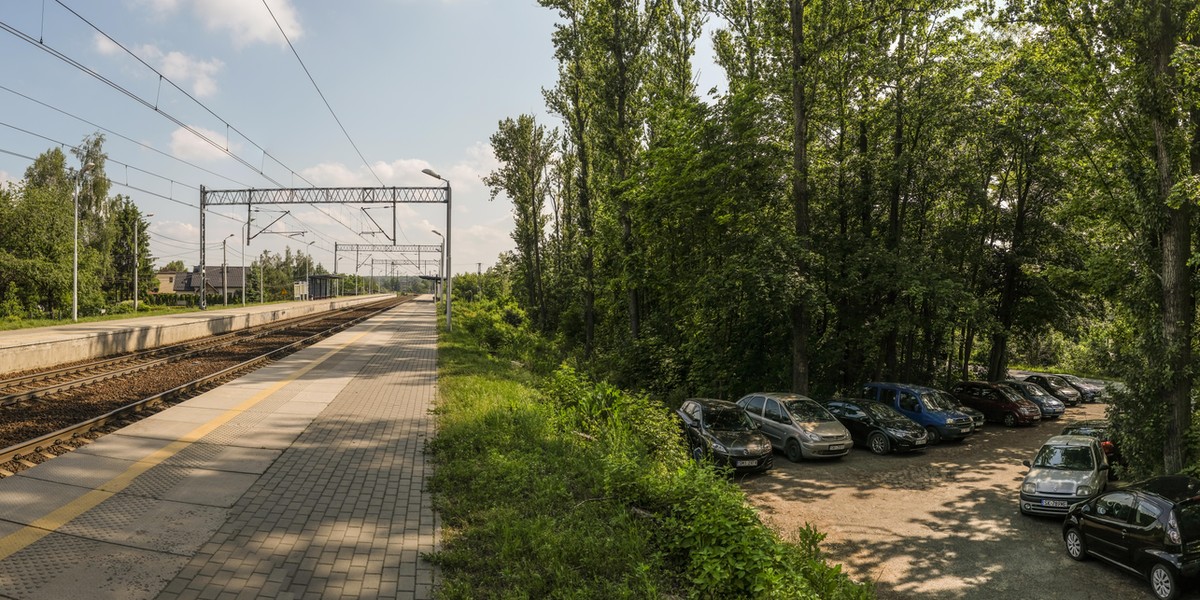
(105, 369)
(20, 451)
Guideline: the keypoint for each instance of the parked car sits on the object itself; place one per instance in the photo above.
(1057, 387)
(1087, 391)
(1051, 407)
(1067, 469)
(798, 424)
(878, 426)
(997, 402)
(977, 417)
(723, 431)
(941, 420)
(1151, 528)
(1099, 429)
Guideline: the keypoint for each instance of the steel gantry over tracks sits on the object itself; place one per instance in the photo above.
(326, 195)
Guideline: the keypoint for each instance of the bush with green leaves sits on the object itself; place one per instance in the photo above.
(565, 487)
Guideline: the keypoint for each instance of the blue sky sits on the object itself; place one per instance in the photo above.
(416, 83)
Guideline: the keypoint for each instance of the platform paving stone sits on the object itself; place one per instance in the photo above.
(344, 511)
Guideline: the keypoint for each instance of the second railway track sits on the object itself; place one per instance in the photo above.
(67, 403)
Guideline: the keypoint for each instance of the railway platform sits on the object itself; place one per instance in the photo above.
(43, 347)
(304, 479)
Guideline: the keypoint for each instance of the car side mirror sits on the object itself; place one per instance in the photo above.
(1027, 463)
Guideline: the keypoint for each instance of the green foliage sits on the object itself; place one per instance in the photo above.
(565, 487)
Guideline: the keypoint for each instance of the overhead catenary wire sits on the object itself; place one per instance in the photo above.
(320, 93)
(227, 124)
(119, 135)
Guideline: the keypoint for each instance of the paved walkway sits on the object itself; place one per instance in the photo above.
(305, 479)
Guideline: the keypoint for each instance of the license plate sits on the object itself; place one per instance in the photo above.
(1055, 503)
(919, 443)
(747, 463)
(836, 446)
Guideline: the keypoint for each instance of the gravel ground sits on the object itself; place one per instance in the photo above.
(942, 523)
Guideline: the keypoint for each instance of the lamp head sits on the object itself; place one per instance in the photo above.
(432, 173)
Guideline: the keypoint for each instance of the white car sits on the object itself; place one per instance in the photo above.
(1068, 469)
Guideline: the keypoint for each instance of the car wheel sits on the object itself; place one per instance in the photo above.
(793, 451)
(879, 443)
(1076, 548)
(1010, 420)
(934, 436)
(698, 454)
(1163, 583)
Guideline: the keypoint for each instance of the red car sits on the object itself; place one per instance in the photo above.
(997, 402)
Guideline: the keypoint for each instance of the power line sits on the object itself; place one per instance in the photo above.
(124, 137)
(227, 125)
(320, 93)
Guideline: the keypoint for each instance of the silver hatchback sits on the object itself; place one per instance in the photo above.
(1068, 469)
(797, 424)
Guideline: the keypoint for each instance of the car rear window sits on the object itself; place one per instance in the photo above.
(1066, 458)
(1189, 520)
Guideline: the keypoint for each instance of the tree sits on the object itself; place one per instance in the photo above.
(525, 150)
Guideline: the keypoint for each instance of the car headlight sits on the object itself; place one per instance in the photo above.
(1029, 488)
(812, 437)
(1083, 490)
(719, 448)
(949, 421)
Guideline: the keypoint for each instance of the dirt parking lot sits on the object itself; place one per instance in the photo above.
(942, 523)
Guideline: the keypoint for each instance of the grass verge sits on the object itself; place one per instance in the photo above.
(562, 487)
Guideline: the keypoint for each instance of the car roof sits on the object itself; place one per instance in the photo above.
(1174, 488)
(920, 389)
(781, 395)
(1070, 440)
(1091, 423)
(714, 403)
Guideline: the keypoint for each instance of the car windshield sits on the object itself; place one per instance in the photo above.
(723, 419)
(940, 401)
(884, 413)
(1072, 379)
(1059, 384)
(1009, 393)
(808, 411)
(1065, 458)
(1032, 389)
(1189, 520)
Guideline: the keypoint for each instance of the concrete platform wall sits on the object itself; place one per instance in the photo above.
(45, 347)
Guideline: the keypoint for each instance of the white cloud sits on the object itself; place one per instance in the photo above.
(6, 179)
(183, 69)
(158, 7)
(104, 45)
(249, 22)
(188, 146)
(246, 21)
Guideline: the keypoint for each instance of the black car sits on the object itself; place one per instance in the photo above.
(1057, 387)
(1087, 391)
(725, 432)
(1099, 429)
(878, 426)
(977, 416)
(1151, 528)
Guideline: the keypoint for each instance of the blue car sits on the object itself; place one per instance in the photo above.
(941, 420)
(1051, 407)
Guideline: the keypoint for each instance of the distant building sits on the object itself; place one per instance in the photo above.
(188, 282)
(166, 282)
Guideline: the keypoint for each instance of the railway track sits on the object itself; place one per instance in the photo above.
(55, 411)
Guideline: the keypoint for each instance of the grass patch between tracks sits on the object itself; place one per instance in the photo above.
(562, 487)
